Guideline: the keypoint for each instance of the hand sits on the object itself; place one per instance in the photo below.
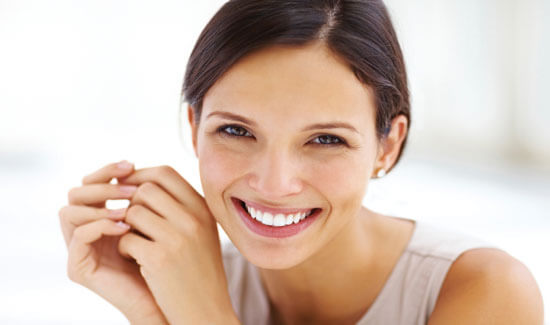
(91, 234)
(179, 253)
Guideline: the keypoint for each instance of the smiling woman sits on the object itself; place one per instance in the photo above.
(294, 106)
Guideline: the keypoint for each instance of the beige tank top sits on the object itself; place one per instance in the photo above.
(408, 296)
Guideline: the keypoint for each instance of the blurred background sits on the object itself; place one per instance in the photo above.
(86, 83)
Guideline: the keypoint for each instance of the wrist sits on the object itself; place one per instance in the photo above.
(235, 321)
(228, 318)
(204, 318)
(157, 319)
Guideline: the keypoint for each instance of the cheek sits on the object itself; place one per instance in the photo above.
(219, 167)
(342, 180)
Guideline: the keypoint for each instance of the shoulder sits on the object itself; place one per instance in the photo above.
(488, 286)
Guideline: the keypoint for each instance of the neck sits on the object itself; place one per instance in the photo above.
(318, 289)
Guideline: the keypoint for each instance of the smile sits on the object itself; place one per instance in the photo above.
(275, 218)
(274, 222)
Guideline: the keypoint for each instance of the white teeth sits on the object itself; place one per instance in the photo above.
(258, 215)
(278, 220)
(267, 219)
(289, 219)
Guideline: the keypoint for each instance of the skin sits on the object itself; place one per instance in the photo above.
(280, 91)
(145, 272)
(284, 90)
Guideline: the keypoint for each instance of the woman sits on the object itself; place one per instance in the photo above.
(294, 106)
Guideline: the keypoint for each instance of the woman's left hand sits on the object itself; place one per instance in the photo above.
(181, 261)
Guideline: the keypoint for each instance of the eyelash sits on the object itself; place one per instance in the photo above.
(222, 130)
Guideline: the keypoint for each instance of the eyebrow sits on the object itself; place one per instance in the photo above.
(316, 126)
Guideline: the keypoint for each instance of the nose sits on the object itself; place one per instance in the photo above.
(275, 175)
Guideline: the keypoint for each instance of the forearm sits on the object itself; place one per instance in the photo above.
(163, 321)
(157, 319)
(210, 320)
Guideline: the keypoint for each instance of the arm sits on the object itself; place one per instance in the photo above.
(488, 286)
(152, 320)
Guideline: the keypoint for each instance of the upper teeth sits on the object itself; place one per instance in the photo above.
(277, 220)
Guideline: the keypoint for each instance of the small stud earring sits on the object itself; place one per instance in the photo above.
(381, 173)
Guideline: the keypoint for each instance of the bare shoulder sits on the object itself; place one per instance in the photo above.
(488, 286)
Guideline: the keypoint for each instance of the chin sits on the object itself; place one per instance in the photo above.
(279, 259)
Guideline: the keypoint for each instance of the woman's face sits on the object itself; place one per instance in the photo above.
(286, 128)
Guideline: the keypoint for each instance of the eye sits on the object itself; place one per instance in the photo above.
(233, 131)
(328, 140)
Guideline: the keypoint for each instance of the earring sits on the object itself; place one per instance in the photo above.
(381, 173)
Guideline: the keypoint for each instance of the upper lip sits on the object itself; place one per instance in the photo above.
(273, 210)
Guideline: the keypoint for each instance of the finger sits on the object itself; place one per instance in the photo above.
(85, 235)
(148, 223)
(72, 216)
(158, 201)
(134, 246)
(171, 181)
(99, 193)
(108, 172)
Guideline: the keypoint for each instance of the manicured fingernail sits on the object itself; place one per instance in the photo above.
(115, 214)
(123, 225)
(124, 165)
(128, 189)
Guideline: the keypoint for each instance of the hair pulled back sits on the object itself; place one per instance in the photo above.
(359, 31)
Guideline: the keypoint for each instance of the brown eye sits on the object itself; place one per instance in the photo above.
(234, 131)
(328, 140)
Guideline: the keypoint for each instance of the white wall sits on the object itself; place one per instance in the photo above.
(479, 74)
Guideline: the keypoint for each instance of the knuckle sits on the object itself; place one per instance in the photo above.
(62, 213)
(148, 186)
(101, 213)
(74, 275)
(164, 171)
(85, 179)
(105, 224)
(122, 243)
(134, 211)
(71, 195)
(143, 189)
(112, 167)
(78, 233)
(71, 274)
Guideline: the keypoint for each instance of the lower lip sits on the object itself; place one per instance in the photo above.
(270, 231)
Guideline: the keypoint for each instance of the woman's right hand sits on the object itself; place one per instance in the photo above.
(92, 234)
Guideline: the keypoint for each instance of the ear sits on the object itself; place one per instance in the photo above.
(389, 147)
(194, 127)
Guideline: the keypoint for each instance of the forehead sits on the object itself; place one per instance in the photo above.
(283, 81)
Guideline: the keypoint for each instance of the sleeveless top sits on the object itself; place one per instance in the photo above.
(408, 297)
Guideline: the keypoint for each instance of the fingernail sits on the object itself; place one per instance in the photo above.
(116, 213)
(128, 189)
(123, 225)
(124, 165)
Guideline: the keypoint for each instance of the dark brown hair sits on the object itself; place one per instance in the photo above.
(359, 31)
